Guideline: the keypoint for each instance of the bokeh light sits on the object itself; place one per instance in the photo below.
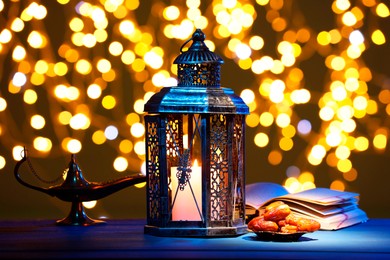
(95, 79)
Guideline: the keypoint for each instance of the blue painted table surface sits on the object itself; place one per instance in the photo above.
(43, 239)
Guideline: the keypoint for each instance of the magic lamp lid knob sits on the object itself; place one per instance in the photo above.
(198, 66)
(74, 177)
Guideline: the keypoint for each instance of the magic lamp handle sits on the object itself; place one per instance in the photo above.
(21, 181)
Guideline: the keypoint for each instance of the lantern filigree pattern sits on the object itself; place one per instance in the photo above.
(201, 75)
(174, 136)
(219, 167)
(184, 170)
(153, 204)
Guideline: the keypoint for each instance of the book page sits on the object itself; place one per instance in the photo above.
(318, 209)
(323, 196)
(260, 193)
(256, 194)
(337, 221)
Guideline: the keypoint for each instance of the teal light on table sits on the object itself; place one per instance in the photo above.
(195, 151)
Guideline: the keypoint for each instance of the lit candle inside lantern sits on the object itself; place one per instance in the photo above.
(185, 206)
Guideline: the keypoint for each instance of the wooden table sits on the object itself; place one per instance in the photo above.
(126, 239)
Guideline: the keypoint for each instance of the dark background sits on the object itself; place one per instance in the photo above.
(19, 202)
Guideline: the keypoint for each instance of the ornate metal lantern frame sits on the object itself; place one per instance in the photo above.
(197, 120)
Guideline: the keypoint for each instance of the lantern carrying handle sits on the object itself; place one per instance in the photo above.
(198, 37)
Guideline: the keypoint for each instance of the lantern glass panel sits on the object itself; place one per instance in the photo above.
(184, 168)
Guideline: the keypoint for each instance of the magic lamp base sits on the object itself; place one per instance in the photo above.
(77, 217)
(196, 231)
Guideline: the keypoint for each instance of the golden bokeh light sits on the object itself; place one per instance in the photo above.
(94, 80)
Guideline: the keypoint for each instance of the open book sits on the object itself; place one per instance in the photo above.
(333, 209)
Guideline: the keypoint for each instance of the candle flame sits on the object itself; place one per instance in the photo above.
(195, 163)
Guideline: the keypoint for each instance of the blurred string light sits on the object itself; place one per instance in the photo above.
(109, 54)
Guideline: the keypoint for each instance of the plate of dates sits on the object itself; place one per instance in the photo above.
(278, 223)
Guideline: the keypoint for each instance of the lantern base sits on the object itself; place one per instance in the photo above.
(195, 231)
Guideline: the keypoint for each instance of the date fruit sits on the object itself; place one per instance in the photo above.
(277, 217)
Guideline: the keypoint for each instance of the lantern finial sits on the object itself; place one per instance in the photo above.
(198, 44)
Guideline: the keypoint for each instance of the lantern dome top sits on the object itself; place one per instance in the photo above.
(198, 53)
(198, 88)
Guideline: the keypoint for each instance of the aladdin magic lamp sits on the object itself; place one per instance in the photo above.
(195, 151)
(76, 189)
